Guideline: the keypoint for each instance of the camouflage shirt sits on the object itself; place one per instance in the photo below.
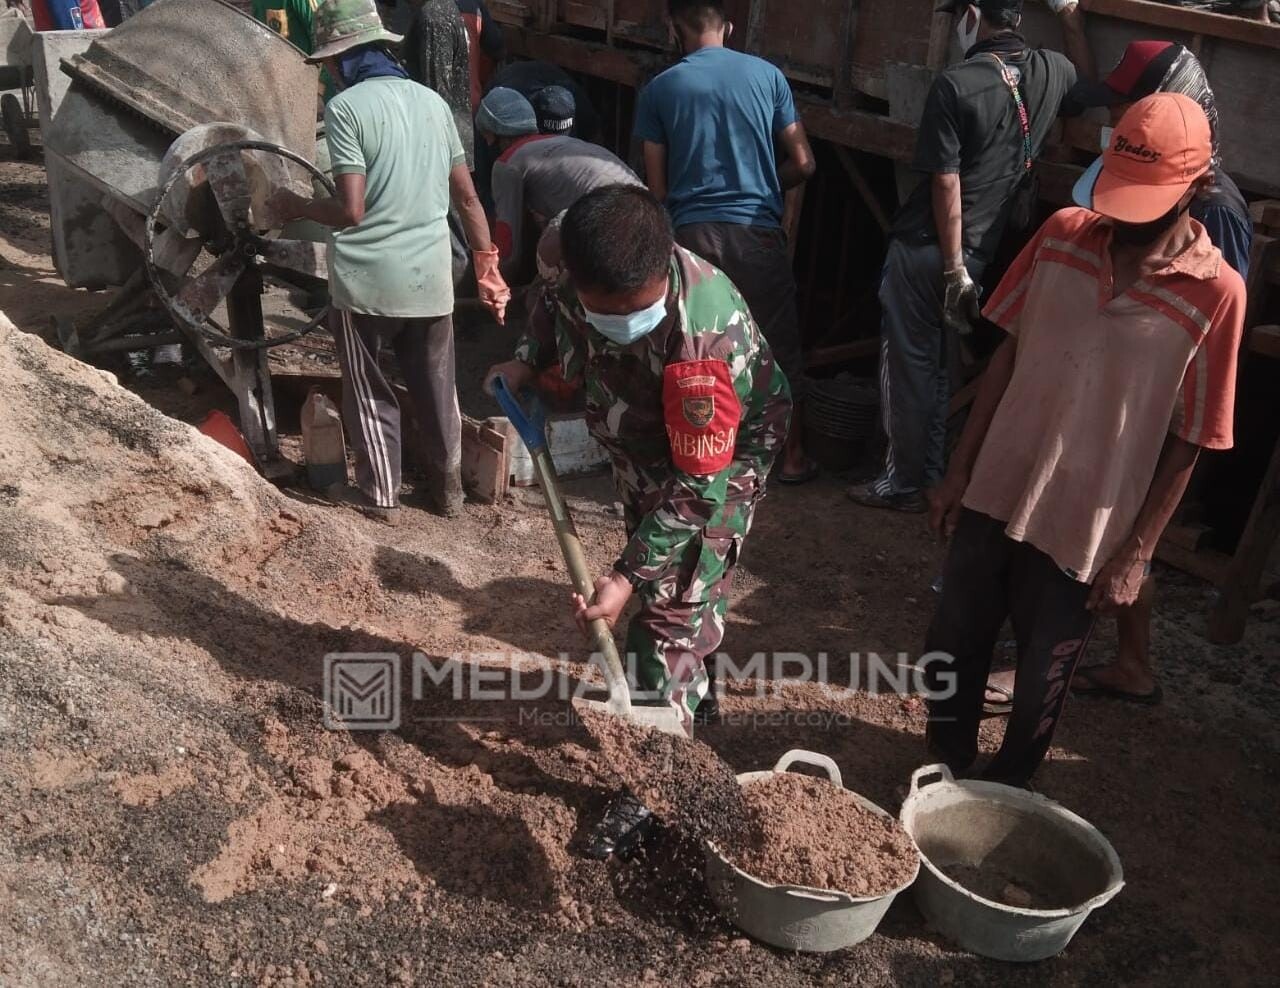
(691, 415)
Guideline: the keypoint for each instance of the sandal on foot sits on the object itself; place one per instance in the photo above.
(997, 708)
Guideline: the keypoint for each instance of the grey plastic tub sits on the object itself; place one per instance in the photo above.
(1011, 832)
(796, 917)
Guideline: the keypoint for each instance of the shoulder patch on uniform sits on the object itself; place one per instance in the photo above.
(702, 411)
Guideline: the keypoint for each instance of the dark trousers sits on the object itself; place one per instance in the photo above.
(756, 260)
(919, 366)
(989, 577)
(370, 411)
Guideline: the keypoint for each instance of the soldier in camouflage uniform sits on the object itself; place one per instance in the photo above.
(683, 393)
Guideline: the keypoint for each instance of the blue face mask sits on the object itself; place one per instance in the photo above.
(632, 326)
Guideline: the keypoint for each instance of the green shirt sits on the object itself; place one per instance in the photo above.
(402, 138)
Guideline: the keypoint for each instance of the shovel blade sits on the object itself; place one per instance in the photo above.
(665, 718)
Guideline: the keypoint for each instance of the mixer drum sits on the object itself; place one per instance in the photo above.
(173, 66)
(182, 63)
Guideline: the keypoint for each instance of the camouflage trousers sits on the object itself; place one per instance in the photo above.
(681, 618)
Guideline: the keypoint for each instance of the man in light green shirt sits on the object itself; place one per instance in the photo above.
(398, 164)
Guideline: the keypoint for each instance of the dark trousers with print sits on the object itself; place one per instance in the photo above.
(989, 577)
(370, 411)
(757, 262)
(919, 366)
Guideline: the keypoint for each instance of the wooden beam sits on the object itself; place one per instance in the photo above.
(872, 132)
(1244, 573)
(631, 68)
(840, 352)
(864, 190)
(1209, 565)
(1191, 21)
(1265, 341)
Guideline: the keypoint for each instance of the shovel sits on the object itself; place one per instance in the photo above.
(532, 429)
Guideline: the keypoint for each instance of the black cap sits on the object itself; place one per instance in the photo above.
(951, 6)
(1139, 73)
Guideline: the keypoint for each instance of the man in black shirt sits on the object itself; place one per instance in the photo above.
(984, 121)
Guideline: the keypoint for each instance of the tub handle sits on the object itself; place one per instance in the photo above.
(925, 771)
(811, 758)
(815, 896)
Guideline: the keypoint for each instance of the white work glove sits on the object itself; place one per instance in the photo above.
(960, 300)
(1058, 6)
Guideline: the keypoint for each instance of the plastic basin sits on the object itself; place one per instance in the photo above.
(796, 917)
(1005, 831)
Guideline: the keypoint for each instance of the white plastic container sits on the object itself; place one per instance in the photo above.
(796, 917)
(985, 824)
(572, 450)
(322, 442)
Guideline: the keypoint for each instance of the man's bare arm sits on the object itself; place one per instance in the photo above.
(655, 169)
(1120, 580)
(946, 218)
(800, 164)
(463, 195)
(944, 502)
(1074, 40)
(340, 212)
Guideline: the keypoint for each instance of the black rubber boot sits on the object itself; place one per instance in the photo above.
(708, 709)
(626, 825)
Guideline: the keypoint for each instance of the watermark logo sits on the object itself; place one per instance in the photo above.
(362, 691)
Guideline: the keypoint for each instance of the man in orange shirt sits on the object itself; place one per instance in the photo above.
(1085, 430)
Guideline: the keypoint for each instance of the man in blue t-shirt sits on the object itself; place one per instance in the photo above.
(709, 125)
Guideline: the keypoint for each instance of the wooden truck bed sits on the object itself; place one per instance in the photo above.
(861, 67)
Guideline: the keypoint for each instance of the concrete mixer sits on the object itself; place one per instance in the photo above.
(162, 151)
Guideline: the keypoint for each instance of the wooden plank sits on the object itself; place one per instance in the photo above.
(870, 132)
(1265, 341)
(484, 460)
(630, 68)
(1192, 21)
(1266, 213)
(889, 31)
(1243, 575)
(1188, 536)
(863, 189)
(840, 352)
(1208, 565)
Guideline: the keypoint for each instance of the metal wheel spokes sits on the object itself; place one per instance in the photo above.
(201, 295)
(230, 185)
(235, 249)
(302, 257)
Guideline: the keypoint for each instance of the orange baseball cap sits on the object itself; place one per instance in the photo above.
(1159, 147)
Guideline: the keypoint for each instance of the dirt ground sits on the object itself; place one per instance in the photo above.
(172, 809)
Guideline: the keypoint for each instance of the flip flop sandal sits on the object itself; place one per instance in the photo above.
(810, 472)
(998, 708)
(1090, 687)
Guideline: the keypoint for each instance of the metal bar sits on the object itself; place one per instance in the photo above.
(136, 342)
(251, 375)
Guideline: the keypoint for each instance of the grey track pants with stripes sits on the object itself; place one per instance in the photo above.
(919, 366)
(371, 412)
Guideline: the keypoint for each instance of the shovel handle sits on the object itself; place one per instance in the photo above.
(532, 430)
